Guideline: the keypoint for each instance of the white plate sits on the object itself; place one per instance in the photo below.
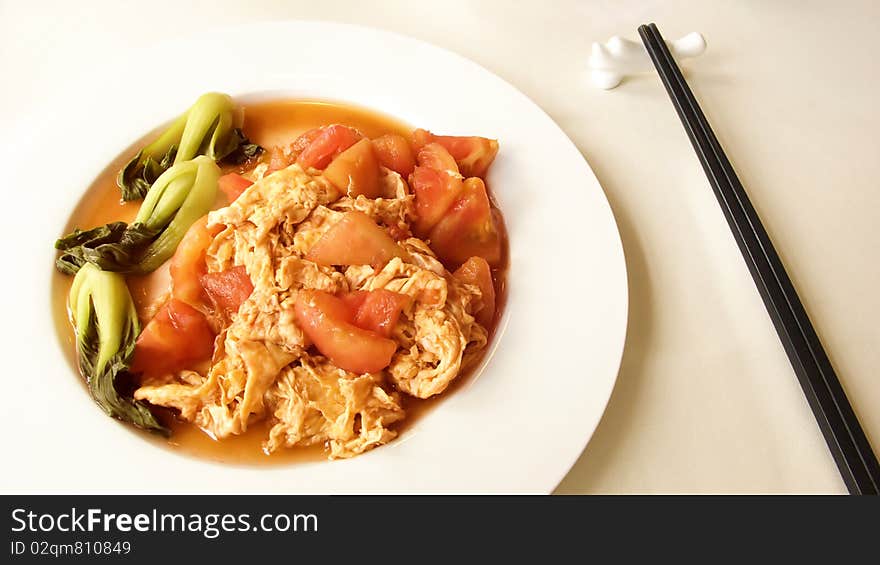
(518, 427)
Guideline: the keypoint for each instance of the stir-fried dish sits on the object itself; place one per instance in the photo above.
(308, 288)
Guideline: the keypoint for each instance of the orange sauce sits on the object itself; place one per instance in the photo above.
(269, 123)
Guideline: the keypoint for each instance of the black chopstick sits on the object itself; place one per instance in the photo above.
(846, 440)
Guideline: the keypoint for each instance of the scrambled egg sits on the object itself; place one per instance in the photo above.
(262, 367)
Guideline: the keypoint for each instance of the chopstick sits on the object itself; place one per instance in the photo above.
(845, 438)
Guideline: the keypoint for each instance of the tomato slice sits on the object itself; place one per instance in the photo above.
(473, 154)
(228, 289)
(188, 263)
(150, 291)
(468, 228)
(355, 171)
(279, 159)
(380, 311)
(375, 310)
(353, 301)
(435, 156)
(324, 146)
(436, 184)
(355, 240)
(177, 337)
(232, 185)
(305, 140)
(421, 137)
(325, 320)
(476, 271)
(394, 152)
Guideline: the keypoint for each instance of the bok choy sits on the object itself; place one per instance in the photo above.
(180, 196)
(206, 128)
(106, 329)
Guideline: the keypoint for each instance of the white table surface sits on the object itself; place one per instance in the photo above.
(706, 400)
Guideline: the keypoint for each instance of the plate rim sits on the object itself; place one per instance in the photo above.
(618, 250)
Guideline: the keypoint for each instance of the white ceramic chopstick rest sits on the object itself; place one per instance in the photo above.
(610, 62)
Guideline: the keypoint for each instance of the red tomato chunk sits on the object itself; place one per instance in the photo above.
(305, 140)
(326, 320)
(476, 271)
(188, 263)
(394, 152)
(232, 185)
(473, 154)
(436, 184)
(355, 240)
(176, 337)
(228, 289)
(355, 171)
(327, 144)
(375, 310)
(468, 228)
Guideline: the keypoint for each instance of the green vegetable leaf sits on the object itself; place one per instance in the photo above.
(121, 255)
(141, 172)
(244, 150)
(73, 246)
(114, 247)
(107, 328)
(180, 196)
(206, 128)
